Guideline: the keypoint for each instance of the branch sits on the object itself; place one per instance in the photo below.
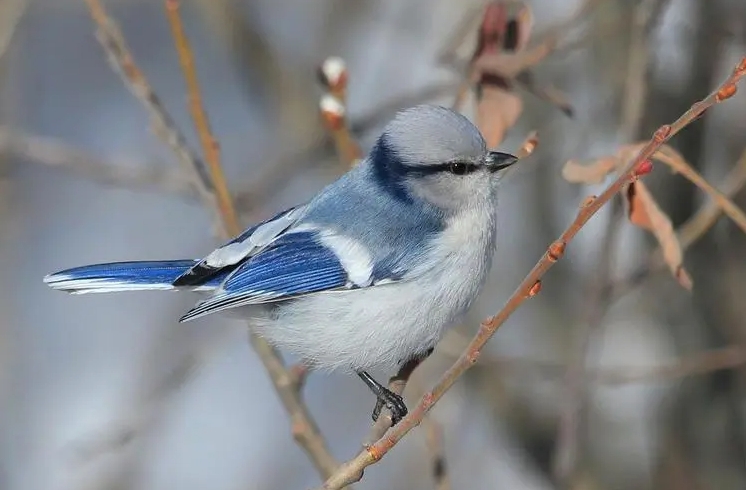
(304, 428)
(122, 62)
(116, 172)
(351, 471)
(679, 165)
(695, 364)
(209, 183)
(707, 216)
(210, 146)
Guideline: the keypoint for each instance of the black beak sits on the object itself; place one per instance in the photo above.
(497, 161)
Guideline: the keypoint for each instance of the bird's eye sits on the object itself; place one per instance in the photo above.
(461, 168)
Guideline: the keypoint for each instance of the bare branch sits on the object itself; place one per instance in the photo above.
(118, 172)
(122, 62)
(210, 183)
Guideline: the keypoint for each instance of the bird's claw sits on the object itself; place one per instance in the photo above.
(394, 403)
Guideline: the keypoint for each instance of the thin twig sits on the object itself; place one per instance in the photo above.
(12, 12)
(695, 364)
(708, 215)
(210, 146)
(304, 428)
(116, 172)
(721, 200)
(352, 470)
(122, 62)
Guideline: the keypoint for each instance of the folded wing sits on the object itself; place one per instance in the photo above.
(302, 261)
(228, 256)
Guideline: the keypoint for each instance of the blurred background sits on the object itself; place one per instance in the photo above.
(614, 377)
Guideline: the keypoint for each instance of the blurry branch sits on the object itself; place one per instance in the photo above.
(708, 215)
(567, 443)
(120, 59)
(304, 428)
(210, 147)
(11, 12)
(679, 165)
(434, 440)
(352, 470)
(117, 171)
(211, 184)
(691, 365)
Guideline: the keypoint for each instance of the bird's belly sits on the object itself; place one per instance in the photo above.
(376, 328)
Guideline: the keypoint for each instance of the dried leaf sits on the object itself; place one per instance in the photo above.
(593, 173)
(644, 212)
(497, 111)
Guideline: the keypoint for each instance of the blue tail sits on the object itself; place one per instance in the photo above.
(126, 276)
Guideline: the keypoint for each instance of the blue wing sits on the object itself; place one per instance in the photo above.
(229, 255)
(295, 264)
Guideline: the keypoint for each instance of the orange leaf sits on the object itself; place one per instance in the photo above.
(643, 211)
(592, 173)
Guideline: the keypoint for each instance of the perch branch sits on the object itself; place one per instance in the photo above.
(304, 428)
(352, 470)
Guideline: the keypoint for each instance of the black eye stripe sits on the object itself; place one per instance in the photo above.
(456, 168)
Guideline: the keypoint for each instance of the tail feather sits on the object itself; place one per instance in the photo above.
(126, 276)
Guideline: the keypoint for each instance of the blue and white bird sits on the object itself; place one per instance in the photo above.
(366, 275)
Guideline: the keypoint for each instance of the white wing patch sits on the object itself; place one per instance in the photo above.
(261, 237)
(353, 256)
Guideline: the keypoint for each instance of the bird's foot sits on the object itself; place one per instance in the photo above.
(392, 401)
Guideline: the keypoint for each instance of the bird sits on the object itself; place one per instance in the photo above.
(366, 275)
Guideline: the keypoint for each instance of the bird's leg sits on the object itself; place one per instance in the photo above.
(385, 397)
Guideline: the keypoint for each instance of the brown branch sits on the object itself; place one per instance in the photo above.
(678, 164)
(122, 62)
(352, 470)
(210, 146)
(708, 215)
(304, 428)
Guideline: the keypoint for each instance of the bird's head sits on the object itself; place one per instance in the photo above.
(435, 154)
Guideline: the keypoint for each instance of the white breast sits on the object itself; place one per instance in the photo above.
(382, 326)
